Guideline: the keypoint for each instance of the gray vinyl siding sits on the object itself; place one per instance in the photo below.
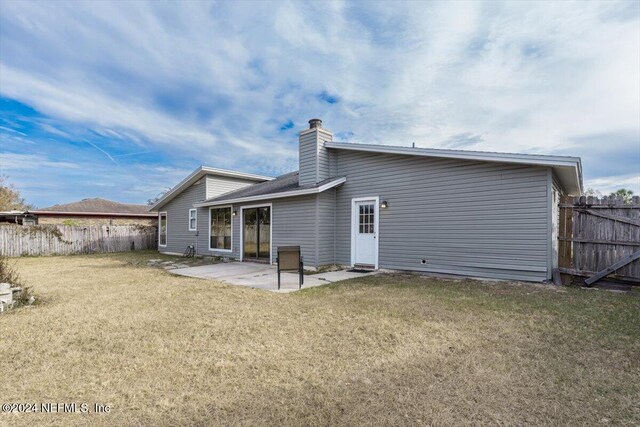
(314, 158)
(178, 234)
(326, 244)
(463, 217)
(324, 167)
(308, 158)
(293, 224)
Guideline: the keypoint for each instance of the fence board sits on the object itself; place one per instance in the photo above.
(595, 234)
(17, 240)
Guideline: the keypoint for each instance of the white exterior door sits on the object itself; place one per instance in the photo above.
(365, 232)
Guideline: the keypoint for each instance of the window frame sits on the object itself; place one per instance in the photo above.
(366, 218)
(211, 209)
(195, 219)
(166, 229)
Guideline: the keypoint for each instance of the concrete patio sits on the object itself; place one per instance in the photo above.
(263, 276)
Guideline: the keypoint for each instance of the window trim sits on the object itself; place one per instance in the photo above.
(166, 231)
(230, 207)
(195, 218)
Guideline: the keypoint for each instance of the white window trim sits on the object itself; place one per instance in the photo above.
(195, 217)
(228, 251)
(354, 226)
(166, 240)
(261, 205)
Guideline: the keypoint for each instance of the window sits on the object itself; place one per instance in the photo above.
(162, 229)
(220, 231)
(193, 219)
(366, 220)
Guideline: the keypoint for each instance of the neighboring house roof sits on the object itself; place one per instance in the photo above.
(283, 186)
(568, 169)
(96, 207)
(199, 173)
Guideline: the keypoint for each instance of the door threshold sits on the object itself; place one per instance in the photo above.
(367, 267)
(259, 261)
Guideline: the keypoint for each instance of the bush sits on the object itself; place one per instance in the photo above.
(9, 274)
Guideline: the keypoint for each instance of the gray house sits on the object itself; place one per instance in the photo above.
(445, 211)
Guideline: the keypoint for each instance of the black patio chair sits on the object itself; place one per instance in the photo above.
(290, 259)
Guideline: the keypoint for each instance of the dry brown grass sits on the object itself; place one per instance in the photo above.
(391, 350)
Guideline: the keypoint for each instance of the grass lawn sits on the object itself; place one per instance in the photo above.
(387, 350)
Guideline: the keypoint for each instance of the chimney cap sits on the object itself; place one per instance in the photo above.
(315, 123)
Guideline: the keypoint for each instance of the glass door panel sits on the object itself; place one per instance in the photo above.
(250, 233)
(264, 232)
(256, 240)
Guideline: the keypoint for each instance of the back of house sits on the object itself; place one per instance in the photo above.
(377, 206)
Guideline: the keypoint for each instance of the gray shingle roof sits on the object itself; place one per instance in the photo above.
(283, 183)
(98, 205)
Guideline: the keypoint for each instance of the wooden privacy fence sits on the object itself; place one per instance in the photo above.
(17, 240)
(597, 238)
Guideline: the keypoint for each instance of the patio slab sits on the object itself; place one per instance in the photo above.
(263, 276)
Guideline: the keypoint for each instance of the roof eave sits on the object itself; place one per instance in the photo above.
(532, 159)
(570, 178)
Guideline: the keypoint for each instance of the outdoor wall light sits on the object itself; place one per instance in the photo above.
(234, 213)
(384, 204)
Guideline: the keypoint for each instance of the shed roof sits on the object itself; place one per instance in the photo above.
(286, 185)
(199, 173)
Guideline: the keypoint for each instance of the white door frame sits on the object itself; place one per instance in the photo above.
(354, 226)
(262, 205)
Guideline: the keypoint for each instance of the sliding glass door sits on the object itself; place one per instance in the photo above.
(256, 234)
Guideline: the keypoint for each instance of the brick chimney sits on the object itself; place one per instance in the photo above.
(314, 157)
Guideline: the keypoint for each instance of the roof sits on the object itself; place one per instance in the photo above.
(14, 212)
(96, 206)
(199, 173)
(568, 169)
(283, 186)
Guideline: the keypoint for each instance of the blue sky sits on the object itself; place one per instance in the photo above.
(121, 100)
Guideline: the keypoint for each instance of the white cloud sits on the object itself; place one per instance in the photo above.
(13, 163)
(214, 81)
(608, 184)
(46, 181)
